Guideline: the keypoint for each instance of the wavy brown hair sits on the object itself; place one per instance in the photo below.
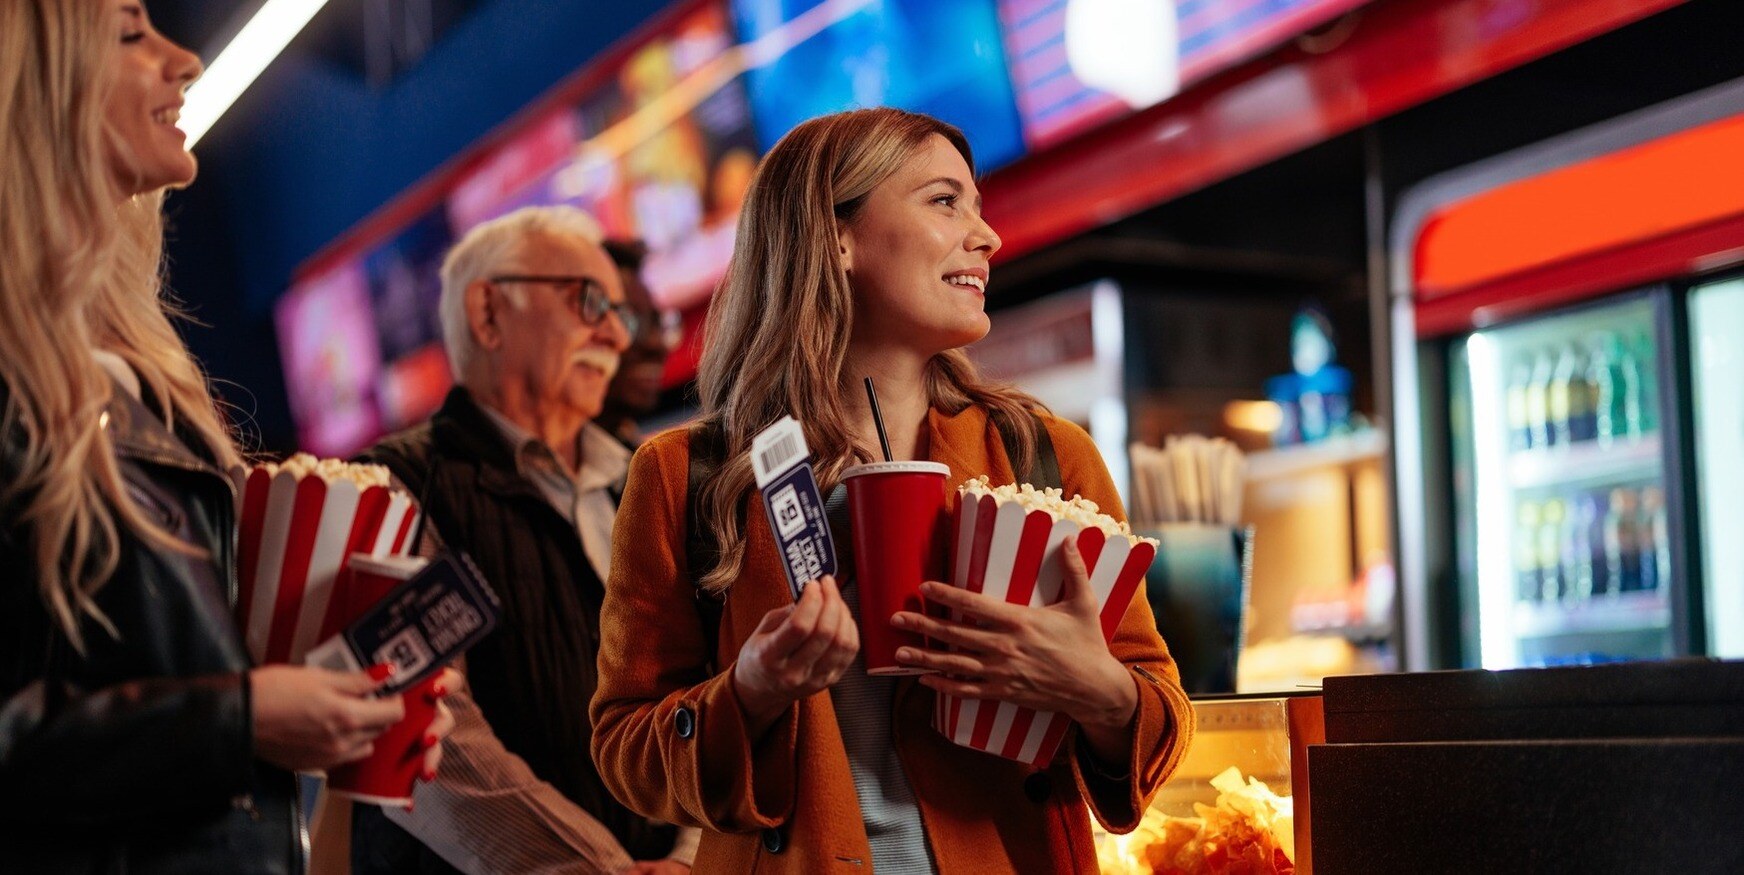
(776, 341)
(79, 271)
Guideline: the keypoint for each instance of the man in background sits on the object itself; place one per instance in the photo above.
(635, 393)
(514, 470)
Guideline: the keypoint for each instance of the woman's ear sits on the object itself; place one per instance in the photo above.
(845, 243)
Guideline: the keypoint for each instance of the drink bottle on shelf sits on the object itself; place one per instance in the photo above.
(1648, 391)
(1529, 584)
(1631, 390)
(1538, 400)
(1552, 575)
(1605, 375)
(1622, 545)
(1519, 427)
(1655, 531)
(1577, 548)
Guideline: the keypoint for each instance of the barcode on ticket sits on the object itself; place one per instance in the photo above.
(778, 448)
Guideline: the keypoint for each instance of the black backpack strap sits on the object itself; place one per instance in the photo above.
(707, 450)
(1044, 469)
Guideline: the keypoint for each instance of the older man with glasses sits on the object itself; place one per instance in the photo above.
(513, 471)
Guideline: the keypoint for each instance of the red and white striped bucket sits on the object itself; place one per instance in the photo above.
(1005, 551)
(293, 535)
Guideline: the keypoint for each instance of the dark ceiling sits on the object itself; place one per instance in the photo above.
(371, 39)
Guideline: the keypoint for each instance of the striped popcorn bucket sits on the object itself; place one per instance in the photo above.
(1007, 551)
(293, 534)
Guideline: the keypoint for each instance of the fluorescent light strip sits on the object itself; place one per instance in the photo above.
(241, 62)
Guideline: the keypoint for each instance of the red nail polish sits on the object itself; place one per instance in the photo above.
(381, 672)
(429, 775)
(430, 741)
(438, 690)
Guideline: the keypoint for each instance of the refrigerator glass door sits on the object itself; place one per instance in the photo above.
(1565, 527)
(1716, 313)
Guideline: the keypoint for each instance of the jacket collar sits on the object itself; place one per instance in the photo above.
(966, 442)
(137, 433)
(462, 429)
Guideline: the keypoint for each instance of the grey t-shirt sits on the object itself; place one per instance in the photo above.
(864, 706)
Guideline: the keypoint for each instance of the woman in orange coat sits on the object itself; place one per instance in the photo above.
(861, 251)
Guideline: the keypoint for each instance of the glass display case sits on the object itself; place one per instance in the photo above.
(1238, 802)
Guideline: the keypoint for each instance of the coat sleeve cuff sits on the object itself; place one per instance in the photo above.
(746, 783)
(1162, 732)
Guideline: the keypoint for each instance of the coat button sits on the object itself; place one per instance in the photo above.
(684, 720)
(1038, 787)
(773, 841)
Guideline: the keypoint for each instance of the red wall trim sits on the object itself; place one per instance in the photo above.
(1402, 53)
(1711, 247)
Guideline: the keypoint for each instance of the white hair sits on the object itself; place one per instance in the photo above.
(490, 248)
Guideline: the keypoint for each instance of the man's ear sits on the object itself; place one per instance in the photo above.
(845, 242)
(482, 307)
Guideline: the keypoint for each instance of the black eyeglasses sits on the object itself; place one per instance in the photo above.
(585, 297)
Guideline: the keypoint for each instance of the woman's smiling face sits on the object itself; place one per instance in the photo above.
(917, 255)
(145, 103)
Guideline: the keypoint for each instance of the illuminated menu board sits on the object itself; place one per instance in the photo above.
(1078, 63)
(661, 150)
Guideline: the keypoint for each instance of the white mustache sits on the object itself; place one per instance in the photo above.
(604, 361)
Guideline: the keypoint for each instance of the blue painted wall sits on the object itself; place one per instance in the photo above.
(312, 149)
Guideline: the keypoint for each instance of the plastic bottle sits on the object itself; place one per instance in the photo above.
(1622, 545)
(1528, 584)
(1655, 531)
(1632, 392)
(1605, 374)
(1538, 399)
(1552, 576)
(1577, 549)
(1519, 424)
(1649, 392)
(1571, 406)
(1593, 510)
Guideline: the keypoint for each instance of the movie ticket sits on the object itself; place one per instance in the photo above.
(421, 626)
(782, 463)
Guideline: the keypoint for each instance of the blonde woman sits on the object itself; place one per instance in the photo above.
(134, 734)
(861, 251)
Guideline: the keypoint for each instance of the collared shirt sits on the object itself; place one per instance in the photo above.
(488, 812)
(585, 496)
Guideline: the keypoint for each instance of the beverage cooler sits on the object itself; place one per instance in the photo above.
(1562, 458)
(1568, 345)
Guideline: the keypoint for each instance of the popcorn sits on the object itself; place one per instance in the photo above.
(301, 465)
(1078, 509)
(1006, 545)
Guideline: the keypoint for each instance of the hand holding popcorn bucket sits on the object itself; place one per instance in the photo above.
(1006, 543)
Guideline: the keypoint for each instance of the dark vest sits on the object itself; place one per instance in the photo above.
(534, 676)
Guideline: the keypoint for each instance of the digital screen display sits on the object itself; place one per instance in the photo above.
(943, 59)
(332, 359)
(1078, 63)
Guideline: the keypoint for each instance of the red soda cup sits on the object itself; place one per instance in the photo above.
(387, 775)
(897, 512)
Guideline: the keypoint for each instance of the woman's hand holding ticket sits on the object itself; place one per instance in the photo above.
(1049, 658)
(796, 651)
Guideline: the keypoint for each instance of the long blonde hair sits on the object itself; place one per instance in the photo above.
(79, 271)
(776, 341)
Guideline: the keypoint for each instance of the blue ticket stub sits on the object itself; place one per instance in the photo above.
(795, 507)
(421, 626)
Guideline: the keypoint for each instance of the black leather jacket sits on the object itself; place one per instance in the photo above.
(137, 755)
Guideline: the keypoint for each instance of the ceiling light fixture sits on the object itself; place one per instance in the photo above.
(241, 62)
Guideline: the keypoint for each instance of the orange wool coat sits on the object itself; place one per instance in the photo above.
(672, 743)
